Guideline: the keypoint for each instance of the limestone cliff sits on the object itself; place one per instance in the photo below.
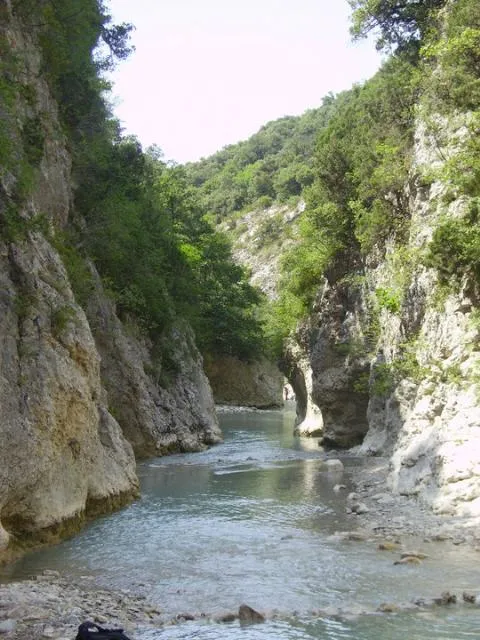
(260, 237)
(258, 383)
(63, 376)
(394, 359)
(162, 401)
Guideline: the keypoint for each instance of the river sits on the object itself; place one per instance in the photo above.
(253, 520)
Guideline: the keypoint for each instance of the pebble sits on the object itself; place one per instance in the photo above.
(48, 632)
(40, 612)
(471, 598)
(414, 554)
(388, 607)
(388, 546)
(334, 465)
(248, 615)
(101, 619)
(408, 560)
(359, 508)
(446, 598)
(8, 626)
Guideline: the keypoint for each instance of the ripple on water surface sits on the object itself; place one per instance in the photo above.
(251, 520)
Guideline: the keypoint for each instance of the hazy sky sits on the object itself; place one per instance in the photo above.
(207, 73)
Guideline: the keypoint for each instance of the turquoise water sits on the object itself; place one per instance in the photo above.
(252, 520)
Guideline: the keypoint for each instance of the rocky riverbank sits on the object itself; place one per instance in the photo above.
(52, 606)
(387, 514)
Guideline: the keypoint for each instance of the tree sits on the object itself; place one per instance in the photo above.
(401, 23)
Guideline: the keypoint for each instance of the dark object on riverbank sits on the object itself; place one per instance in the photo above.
(91, 631)
(446, 598)
(226, 617)
(469, 597)
(247, 615)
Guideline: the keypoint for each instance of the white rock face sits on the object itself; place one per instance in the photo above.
(431, 425)
(260, 238)
(309, 420)
(63, 455)
(160, 411)
(428, 421)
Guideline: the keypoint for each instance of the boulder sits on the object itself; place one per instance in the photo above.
(247, 615)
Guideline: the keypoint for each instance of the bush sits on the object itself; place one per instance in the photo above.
(388, 299)
(455, 249)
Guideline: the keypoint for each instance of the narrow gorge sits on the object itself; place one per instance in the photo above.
(367, 246)
(146, 307)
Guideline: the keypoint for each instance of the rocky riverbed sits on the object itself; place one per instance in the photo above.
(51, 607)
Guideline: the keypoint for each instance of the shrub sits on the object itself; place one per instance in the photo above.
(455, 249)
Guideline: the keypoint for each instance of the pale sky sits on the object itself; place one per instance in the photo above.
(207, 73)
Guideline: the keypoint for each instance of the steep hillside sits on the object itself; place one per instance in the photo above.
(252, 191)
(63, 455)
(388, 357)
(274, 165)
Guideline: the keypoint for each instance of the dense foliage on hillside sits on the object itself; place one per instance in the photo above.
(138, 220)
(143, 221)
(354, 166)
(275, 164)
(362, 163)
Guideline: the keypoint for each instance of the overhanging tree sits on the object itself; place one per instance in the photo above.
(400, 23)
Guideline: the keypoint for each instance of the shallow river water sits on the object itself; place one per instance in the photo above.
(251, 520)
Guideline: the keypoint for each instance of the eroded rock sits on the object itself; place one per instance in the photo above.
(247, 615)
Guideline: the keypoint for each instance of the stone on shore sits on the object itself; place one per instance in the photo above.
(359, 508)
(334, 465)
(471, 598)
(388, 607)
(8, 626)
(446, 598)
(414, 554)
(247, 615)
(408, 560)
(389, 546)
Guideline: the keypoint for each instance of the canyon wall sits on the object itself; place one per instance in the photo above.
(393, 357)
(79, 390)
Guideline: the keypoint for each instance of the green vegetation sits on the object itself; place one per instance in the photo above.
(274, 165)
(385, 376)
(355, 170)
(455, 249)
(397, 24)
(148, 226)
(455, 58)
(357, 199)
(60, 318)
(139, 221)
(33, 140)
(388, 299)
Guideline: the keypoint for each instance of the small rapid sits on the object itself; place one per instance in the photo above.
(254, 520)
